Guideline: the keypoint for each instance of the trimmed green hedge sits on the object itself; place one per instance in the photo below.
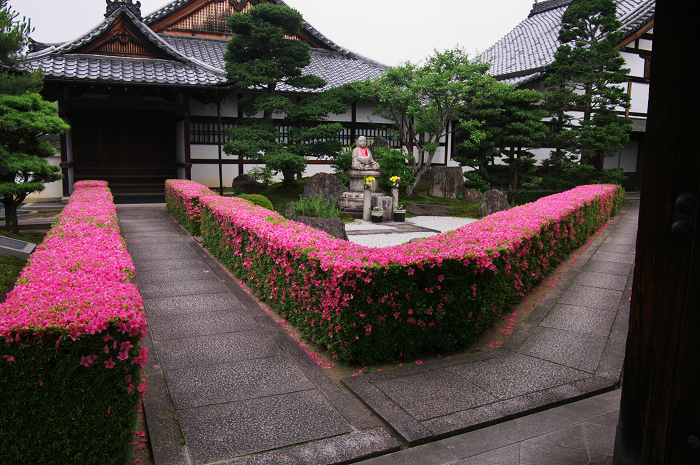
(372, 305)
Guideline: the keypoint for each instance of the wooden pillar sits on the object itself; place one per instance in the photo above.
(660, 407)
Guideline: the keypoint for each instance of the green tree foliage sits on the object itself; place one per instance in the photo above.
(585, 93)
(260, 58)
(504, 125)
(422, 100)
(24, 117)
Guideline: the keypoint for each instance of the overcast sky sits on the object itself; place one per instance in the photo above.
(388, 31)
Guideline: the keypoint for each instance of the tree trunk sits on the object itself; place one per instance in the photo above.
(423, 168)
(11, 224)
(289, 178)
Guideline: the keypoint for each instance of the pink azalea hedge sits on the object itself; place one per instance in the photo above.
(182, 203)
(71, 359)
(438, 294)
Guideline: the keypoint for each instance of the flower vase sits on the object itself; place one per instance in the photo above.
(377, 217)
(400, 215)
(395, 195)
(366, 204)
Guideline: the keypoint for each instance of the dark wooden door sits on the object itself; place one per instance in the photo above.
(660, 408)
(134, 150)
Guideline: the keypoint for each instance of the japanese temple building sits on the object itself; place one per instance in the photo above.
(523, 56)
(147, 98)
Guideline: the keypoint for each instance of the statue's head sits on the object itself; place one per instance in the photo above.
(362, 141)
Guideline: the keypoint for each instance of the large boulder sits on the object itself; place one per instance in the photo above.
(493, 201)
(330, 187)
(471, 195)
(244, 184)
(446, 181)
(425, 209)
(332, 226)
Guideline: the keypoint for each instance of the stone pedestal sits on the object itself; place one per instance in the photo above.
(386, 203)
(351, 203)
(395, 196)
(366, 204)
(357, 179)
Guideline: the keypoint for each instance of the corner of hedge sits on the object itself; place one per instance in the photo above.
(70, 358)
(370, 305)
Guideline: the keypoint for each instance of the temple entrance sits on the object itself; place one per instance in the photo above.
(134, 150)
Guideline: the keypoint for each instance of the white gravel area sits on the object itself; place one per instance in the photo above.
(440, 223)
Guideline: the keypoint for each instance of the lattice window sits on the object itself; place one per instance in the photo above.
(207, 132)
(371, 132)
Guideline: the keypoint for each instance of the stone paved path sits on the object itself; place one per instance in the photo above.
(223, 377)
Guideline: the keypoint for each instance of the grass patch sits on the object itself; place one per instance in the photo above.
(10, 267)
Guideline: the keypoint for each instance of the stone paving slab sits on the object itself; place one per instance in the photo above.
(579, 319)
(190, 304)
(198, 324)
(234, 381)
(569, 348)
(217, 432)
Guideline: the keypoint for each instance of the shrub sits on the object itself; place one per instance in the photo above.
(474, 180)
(343, 161)
(521, 197)
(257, 199)
(370, 305)
(71, 361)
(316, 207)
(393, 162)
(261, 174)
(182, 202)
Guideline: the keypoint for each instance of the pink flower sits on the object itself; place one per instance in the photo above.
(418, 362)
(8, 358)
(109, 364)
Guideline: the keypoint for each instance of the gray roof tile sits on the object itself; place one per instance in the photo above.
(531, 45)
(195, 61)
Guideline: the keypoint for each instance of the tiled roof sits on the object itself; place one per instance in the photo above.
(195, 61)
(173, 6)
(524, 53)
(98, 68)
(335, 67)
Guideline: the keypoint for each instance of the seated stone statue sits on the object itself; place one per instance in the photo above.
(362, 157)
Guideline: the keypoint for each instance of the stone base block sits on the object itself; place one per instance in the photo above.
(350, 203)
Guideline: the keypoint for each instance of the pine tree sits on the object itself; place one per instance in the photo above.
(506, 123)
(585, 95)
(24, 117)
(261, 57)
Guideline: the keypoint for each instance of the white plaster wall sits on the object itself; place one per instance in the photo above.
(52, 190)
(639, 97)
(635, 63)
(364, 113)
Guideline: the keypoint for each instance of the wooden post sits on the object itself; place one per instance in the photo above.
(660, 407)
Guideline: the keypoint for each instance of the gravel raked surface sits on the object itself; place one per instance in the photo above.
(386, 236)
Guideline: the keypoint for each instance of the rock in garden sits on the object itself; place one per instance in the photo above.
(379, 141)
(446, 181)
(332, 226)
(289, 210)
(470, 194)
(424, 209)
(493, 201)
(330, 187)
(244, 184)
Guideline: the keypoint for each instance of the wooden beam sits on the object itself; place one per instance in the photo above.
(659, 419)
